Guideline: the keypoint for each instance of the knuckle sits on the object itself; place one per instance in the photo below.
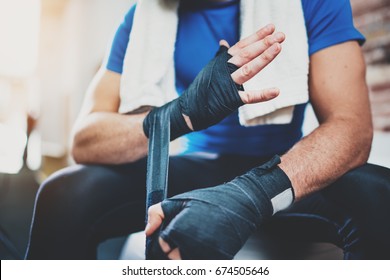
(245, 54)
(262, 95)
(240, 44)
(246, 70)
(260, 33)
(267, 41)
(151, 210)
(266, 56)
(245, 97)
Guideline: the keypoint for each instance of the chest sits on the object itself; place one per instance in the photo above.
(198, 36)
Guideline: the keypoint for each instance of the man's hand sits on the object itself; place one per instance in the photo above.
(251, 55)
(217, 90)
(214, 223)
(155, 218)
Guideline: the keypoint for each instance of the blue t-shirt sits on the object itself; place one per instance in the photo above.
(201, 25)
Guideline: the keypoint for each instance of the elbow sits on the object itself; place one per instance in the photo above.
(77, 150)
(364, 148)
(76, 155)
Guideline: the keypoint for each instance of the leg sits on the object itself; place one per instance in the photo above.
(352, 213)
(364, 194)
(315, 219)
(81, 206)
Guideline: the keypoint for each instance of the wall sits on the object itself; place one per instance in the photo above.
(75, 34)
(74, 37)
(372, 18)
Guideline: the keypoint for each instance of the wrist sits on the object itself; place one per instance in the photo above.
(282, 193)
(274, 183)
(288, 169)
(171, 111)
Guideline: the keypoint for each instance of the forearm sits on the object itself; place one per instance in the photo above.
(109, 138)
(331, 150)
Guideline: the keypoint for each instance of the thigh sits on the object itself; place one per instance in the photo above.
(110, 200)
(80, 206)
(364, 194)
(352, 213)
(188, 172)
(126, 210)
(313, 219)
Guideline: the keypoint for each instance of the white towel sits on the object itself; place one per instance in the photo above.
(148, 76)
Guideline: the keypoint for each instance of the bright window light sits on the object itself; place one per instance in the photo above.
(12, 141)
(19, 32)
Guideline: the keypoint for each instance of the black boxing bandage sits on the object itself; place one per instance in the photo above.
(214, 223)
(211, 97)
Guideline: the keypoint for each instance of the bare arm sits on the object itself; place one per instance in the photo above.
(342, 141)
(101, 135)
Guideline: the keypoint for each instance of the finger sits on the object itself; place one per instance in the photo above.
(255, 96)
(174, 254)
(224, 43)
(155, 218)
(253, 67)
(172, 207)
(258, 35)
(164, 245)
(253, 50)
(171, 254)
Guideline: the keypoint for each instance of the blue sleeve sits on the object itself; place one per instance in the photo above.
(119, 44)
(329, 22)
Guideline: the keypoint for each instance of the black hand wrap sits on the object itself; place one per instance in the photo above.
(211, 97)
(157, 171)
(214, 223)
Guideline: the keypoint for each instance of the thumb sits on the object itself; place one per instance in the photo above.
(155, 218)
(224, 43)
(156, 214)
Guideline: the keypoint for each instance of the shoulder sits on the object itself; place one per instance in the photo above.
(119, 43)
(315, 10)
(128, 19)
(329, 22)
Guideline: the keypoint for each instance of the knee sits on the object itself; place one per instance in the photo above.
(351, 240)
(372, 184)
(82, 189)
(372, 176)
(365, 194)
(368, 184)
(65, 191)
(56, 191)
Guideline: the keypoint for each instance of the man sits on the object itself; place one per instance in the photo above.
(81, 206)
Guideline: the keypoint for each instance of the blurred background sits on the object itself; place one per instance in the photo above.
(50, 50)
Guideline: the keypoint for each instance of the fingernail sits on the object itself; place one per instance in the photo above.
(279, 36)
(268, 27)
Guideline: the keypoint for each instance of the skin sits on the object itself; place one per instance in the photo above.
(101, 135)
(338, 93)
